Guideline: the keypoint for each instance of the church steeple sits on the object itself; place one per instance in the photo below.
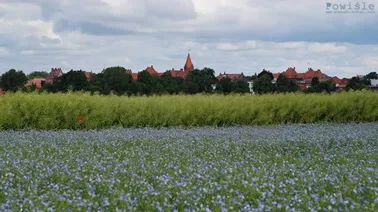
(189, 64)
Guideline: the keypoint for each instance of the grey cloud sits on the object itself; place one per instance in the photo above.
(89, 28)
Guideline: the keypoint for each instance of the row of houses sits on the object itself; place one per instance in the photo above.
(303, 80)
(54, 74)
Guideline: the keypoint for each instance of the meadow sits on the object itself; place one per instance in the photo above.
(85, 111)
(294, 167)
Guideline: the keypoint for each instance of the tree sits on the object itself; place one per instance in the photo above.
(148, 83)
(265, 72)
(73, 80)
(199, 81)
(13, 80)
(240, 86)
(171, 85)
(225, 85)
(356, 84)
(96, 84)
(314, 81)
(284, 84)
(37, 74)
(371, 75)
(320, 87)
(116, 79)
(263, 84)
(327, 86)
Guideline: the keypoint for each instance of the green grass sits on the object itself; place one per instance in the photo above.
(60, 111)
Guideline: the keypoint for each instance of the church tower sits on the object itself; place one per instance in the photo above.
(189, 64)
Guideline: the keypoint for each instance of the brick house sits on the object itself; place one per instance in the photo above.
(183, 73)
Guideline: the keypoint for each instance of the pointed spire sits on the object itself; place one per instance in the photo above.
(189, 64)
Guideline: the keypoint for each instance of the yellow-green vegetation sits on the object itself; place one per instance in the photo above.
(61, 111)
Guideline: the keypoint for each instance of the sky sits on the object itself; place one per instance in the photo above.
(230, 36)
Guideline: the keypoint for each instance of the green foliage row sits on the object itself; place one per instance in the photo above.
(61, 111)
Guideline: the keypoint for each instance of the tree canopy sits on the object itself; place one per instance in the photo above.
(73, 80)
(13, 80)
(116, 79)
(37, 74)
(265, 72)
(263, 84)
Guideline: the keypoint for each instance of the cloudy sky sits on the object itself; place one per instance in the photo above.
(227, 35)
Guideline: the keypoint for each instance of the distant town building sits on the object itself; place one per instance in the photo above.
(231, 76)
(54, 74)
(183, 73)
(303, 80)
(37, 82)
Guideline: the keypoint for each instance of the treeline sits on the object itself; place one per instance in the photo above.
(117, 80)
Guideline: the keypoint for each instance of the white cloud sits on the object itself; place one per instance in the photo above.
(3, 51)
(28, 52)
(371, 61)
(326, 48)
(227, 35)
(237, 46)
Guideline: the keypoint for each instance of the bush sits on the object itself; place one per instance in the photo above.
(60, 111)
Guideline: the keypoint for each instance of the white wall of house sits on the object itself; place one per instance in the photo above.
(250, 85)
(374, 83)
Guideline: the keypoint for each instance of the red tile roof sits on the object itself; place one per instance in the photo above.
(311, 74)
(38, 82)
(88, 75)
(231, 76)
(134, 76)
(178, 73)
(341, 83)
(188, 64)
(290, 73)
(152, 71)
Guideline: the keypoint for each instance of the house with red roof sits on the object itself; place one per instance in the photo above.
(37, 82)
(340, 83)
(183, 73)
(231, 76)
(303, 80)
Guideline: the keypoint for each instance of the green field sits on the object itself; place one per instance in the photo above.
(60, 111)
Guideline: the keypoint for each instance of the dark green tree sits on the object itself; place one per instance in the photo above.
(73, 80)
(171, 85)
(117, 80)
(314, 81)
(265, 72)
(321, 87)
(356, 83)
(225, 85)
(371, 75)
(37, 74)
(13, 80)
(200, 81)
(240, 86)
(284, 84)
(96, 84)
(148, 83)
(263, 84)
